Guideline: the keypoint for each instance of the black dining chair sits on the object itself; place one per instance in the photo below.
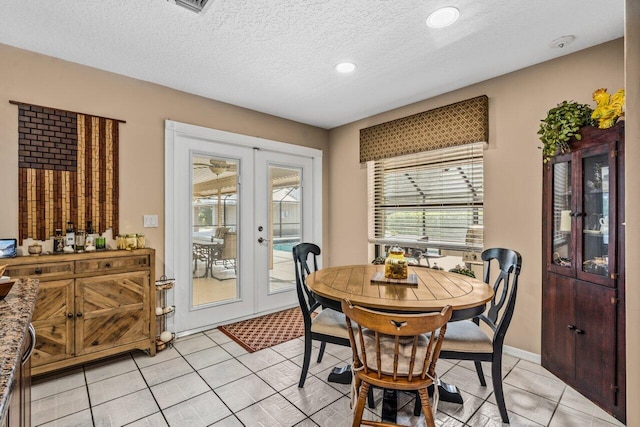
(466, 341)
(326, 326)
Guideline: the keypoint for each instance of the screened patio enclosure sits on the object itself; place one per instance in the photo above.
(215, 201)
(215, 213)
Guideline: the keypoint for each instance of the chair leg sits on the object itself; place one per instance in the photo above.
(478, 364)
(496, 377)
(323, 345)
(362, 396)
(306, 360)
(417, 406)
(429, 416)
(371, 400)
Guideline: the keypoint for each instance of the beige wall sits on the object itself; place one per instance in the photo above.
(42, 80)
(513, 167)
(632, 135)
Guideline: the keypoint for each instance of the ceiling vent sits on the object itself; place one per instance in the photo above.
(193, 5)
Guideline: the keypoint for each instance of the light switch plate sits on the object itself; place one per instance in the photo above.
(150, 221)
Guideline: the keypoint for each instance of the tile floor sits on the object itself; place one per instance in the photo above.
(209, 380)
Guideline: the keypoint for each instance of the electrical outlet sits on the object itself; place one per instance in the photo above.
(150, 221)
(471, 257)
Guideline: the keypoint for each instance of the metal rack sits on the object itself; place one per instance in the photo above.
(165, 309)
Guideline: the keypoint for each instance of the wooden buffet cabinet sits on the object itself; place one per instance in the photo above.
(583, 293)
(90, 305)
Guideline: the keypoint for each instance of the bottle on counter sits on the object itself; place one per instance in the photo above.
(58, 242)
(70, 238)
(131, 241)
(90, 239)
(80, 240)
(101, 243)
(141, 241)
(121, 241)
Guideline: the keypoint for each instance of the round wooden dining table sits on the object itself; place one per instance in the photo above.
(434, 289)
(429, 291)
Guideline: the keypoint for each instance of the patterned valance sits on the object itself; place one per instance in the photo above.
(456, 124)
(68, 171)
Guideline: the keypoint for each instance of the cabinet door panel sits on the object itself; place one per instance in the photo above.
(558, 349)
(54, 329)
(559, 226)
(597, 203)
(596, 367)
(114, 311)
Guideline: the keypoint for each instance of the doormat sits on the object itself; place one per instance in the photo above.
(266, 331)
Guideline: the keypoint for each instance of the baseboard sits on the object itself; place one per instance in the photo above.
(522, 354)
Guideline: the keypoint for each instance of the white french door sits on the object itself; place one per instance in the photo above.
(284, 214)
(235, 205)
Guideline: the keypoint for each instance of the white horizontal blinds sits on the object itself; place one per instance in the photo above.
(435, 196)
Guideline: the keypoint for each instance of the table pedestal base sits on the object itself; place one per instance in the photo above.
(340, 375)
(448, 393)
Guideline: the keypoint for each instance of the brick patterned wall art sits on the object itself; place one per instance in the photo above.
(68, 171)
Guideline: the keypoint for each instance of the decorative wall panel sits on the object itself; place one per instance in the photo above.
(456, 124)
(68, 171)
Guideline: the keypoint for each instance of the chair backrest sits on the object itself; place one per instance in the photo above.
(396, 344)
(230, 245)
(301, 255)
(505, 288)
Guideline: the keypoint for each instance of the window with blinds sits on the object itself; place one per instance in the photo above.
(431, 199)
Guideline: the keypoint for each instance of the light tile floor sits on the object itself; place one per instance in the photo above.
(207, 379)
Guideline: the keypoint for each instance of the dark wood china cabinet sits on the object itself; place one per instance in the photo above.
(583, 298)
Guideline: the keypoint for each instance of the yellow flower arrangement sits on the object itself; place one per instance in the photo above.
(609, 107)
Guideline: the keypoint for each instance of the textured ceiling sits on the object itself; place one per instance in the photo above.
(277, 56)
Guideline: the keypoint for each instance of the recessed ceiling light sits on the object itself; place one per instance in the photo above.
(443, 17)
(345, 67)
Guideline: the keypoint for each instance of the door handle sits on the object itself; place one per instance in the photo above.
(261, 240)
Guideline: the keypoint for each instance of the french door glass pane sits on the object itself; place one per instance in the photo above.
(562, 240)
(215, 229)
(595, 241)
(286, 225)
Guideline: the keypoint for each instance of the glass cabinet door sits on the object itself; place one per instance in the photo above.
(595, 218)
(562, 252)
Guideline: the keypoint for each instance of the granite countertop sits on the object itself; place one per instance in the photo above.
(15, 314)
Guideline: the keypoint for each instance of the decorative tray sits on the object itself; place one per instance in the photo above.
(378, 278)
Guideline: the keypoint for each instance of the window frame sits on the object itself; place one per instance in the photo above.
(430, 169)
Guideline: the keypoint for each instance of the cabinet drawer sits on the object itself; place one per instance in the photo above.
(105, 265)
(41, 271)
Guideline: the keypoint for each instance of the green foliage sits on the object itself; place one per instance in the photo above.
(205, 216)
(561, 123)
(463, 270)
